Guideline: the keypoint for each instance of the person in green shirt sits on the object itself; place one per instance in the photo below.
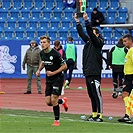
(116, 62)
(71, 60)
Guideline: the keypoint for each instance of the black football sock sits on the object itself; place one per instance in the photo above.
(60, 101)
(56, 110)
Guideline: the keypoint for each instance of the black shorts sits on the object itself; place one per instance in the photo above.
(54, 86)
(128, 82)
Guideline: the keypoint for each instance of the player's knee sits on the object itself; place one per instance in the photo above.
(54, 102)
(49, 103)
(125, 94)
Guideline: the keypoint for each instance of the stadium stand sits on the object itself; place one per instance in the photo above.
(57, 12)
(2, 22)
(64, 32)
(44, 21)
(33, 22)
(55, 22)
(30, 32)
(46, 12)
(8, 32)
(22, 22)
(110, 20)
(73, 32)
(19, 32)
(118, 32)
(36, 12)
(14, 12)
(17, 4)
(41, 31)
(53, 32)
(12, 22)
(66, 22)
(103, 4)
(120, 20)
(23, 14)
(4, 12)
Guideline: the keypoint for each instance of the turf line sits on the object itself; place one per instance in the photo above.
(66, 118)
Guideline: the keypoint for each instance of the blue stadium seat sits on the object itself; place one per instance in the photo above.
(14, 12)
(30, 32)
(6, 38)
(25, 12)
(19, 32)
(8, 32)
(73, 23)
(36, 12)
(115, 39)
(107, 32)
(103, 10)
(92, 3)
(28, 4)
(68, 12)
(53, 31)
(12, 22)
(33, 22)
(52, 38)
(28, 38)
(110, 20)
(22, 22)
(41, 31)
(37, 38)
(111, 12)
(17, 4)
(63, 31)
(2, 22)
(17, 38)
(106, 38)
(47, 12)
(103, 4)
(89, 10)
(66, 21)
(123, 12)
(59, 4)
(4, 12)
(44, 21)
(55, 22)
(6, 4)
(114, 4)
(61, 38)
(126, 31)
(120, 20)
(49, 4)
(57, 12)
(118, 32)
(39, 4)
(1, 32)
(74, 33)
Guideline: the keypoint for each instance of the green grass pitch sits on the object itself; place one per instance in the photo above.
(23, 121)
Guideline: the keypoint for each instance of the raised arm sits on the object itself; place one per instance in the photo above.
(80, 30)
(96, 40)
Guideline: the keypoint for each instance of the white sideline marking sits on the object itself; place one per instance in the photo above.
(68, 119)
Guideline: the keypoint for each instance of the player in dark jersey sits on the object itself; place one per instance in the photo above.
(54, 65)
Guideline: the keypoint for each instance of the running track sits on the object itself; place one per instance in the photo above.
(78, 100)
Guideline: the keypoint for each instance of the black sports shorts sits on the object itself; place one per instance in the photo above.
(54, 86)
(128, 81)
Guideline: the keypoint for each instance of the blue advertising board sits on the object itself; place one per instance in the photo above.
(12, 54)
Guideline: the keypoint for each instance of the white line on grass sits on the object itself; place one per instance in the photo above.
(66, 118)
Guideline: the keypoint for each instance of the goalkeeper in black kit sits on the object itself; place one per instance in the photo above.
(92, 65)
